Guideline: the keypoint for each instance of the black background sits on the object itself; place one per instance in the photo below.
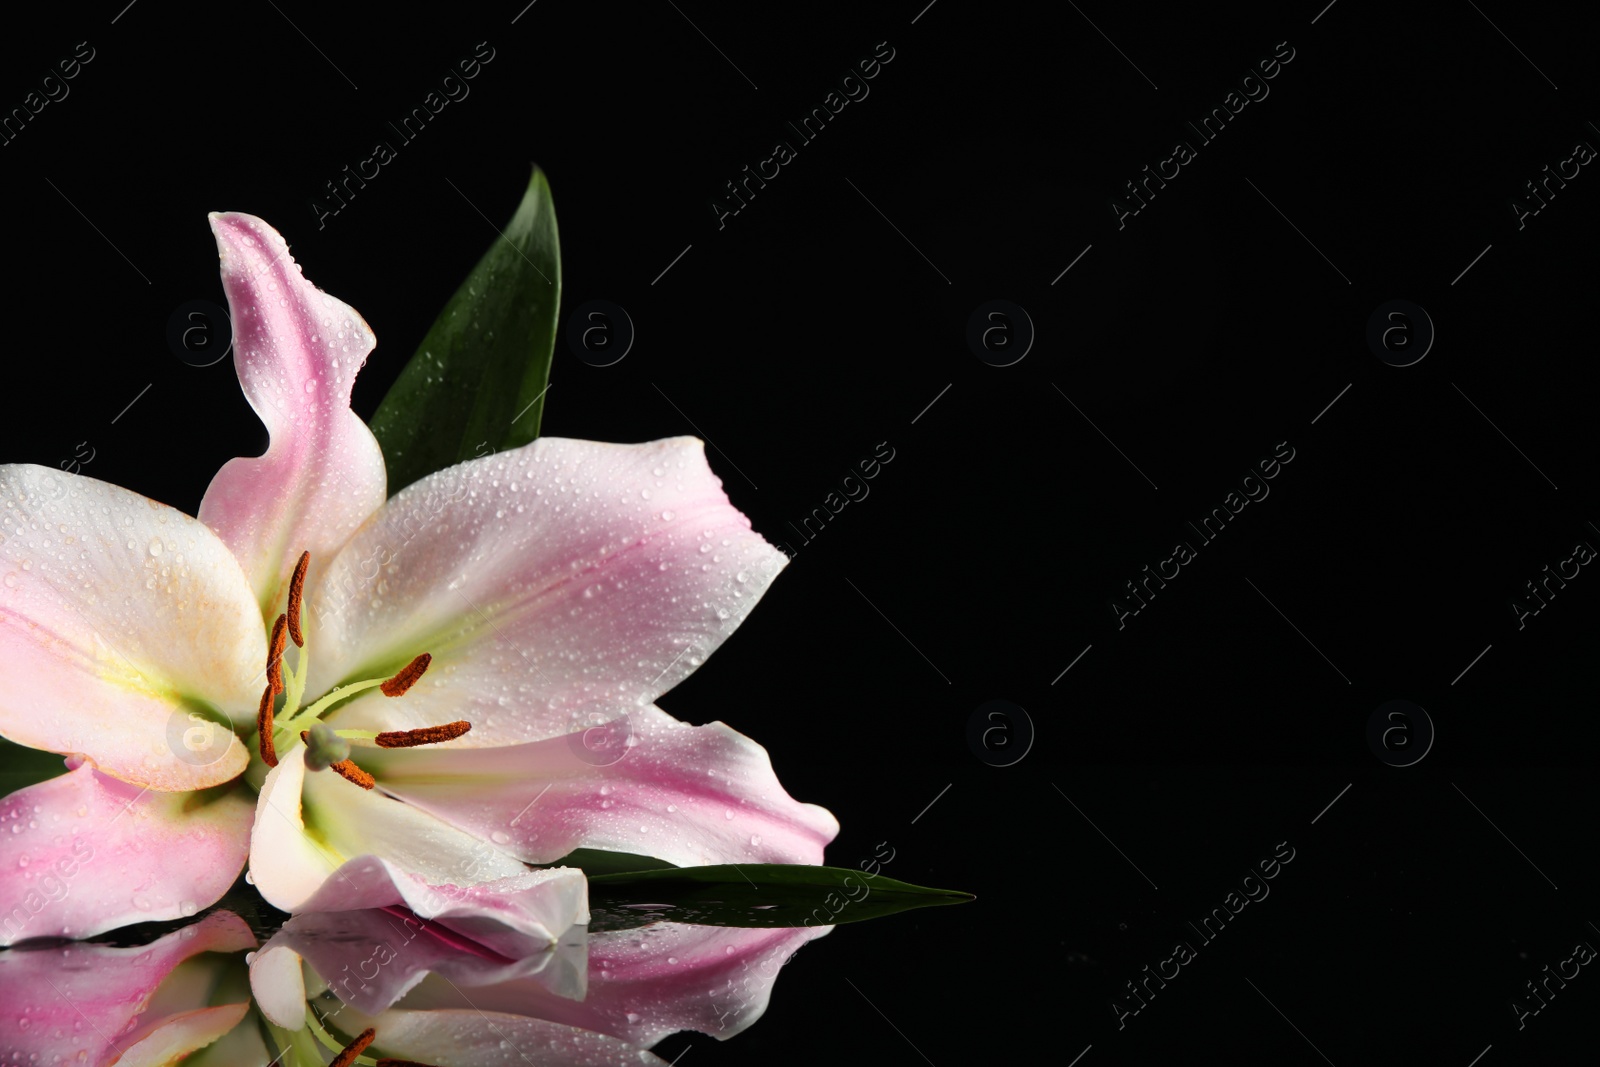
(826, 316)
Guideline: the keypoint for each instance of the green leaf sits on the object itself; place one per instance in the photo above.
(476, 383)
(595, 862)
(753, 894)
(21, 767)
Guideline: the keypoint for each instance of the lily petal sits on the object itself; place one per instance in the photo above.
(308, 825)
(554, 582)
(124, 624)
(689, 795)
(183, 1033)
(53, 991)
(655, 981)
(372, 958)
(472, 1038)
(297, 351)
(91, 853)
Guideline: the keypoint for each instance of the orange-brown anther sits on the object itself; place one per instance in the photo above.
(407, 677)
(269, 751)
(297, 589)
(347, 770)
(280, 641)
(427, 735)
(354, 1048)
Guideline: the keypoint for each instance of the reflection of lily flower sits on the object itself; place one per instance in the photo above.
(95, 1004)
(518, 596)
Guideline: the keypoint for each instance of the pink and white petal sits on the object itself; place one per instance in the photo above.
(690, 795)
(297, 351)
(84, 853)
(242, 1046)
(179, 1035)
(515, 916)
(472, 1038)
(119, 619)
(277, 982)
(551, 583)
(654, 981)
(52, 992)
(291, 855)
(373, 957)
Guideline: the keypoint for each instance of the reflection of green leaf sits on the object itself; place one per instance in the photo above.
(753, 894)
(596, 862)
(21, 766)
(477, 381)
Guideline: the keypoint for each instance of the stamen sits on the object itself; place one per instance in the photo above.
(269, 751)
(407, 677)
(297, 588)
(354, 1048)
(347, 770)
(280, 641)
(427, 735)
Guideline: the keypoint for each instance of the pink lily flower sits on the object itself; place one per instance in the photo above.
(499, 611)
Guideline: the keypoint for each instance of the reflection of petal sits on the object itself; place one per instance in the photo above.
(551, 581)
(115, 612)
(370, 959)
(473, 1038)
(177, 1035)
(297, 351)
(70, 1003)
(91, 853)
(290, 860)
(647, 983)
(690, 795)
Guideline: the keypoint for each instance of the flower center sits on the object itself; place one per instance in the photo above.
(327, 748)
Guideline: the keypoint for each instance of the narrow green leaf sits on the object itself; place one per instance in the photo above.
(596, 862)
(476, 383)
(21, 767)
(755, 894)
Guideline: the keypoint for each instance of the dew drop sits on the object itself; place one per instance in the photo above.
(500, 837)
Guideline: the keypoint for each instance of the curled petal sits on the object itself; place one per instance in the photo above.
(59, 989)
(297, 351)
(308, 825)
(180, 1034)
(91, 853)
(689, 795)
(126, 629)
(550, 583)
